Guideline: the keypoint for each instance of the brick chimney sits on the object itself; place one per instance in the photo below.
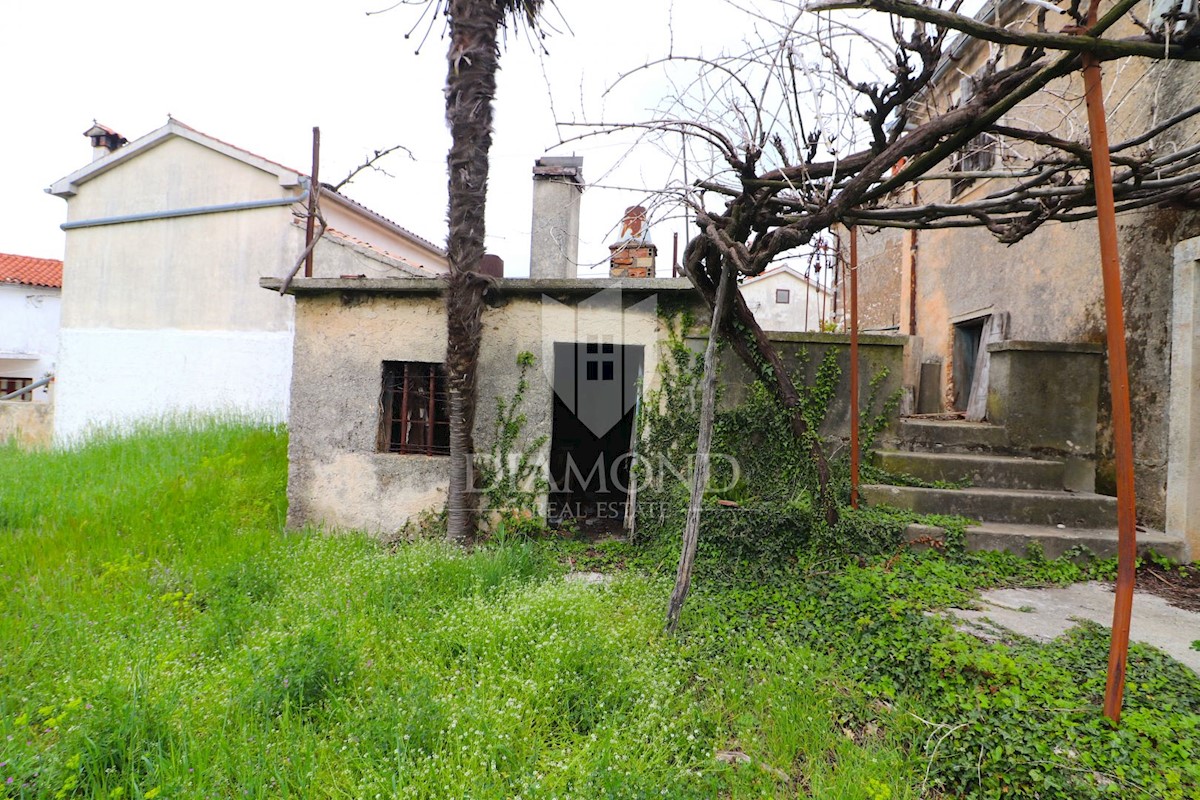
(554, 240)
(633, 255)
(104, 140)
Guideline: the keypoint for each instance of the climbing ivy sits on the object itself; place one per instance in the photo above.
(759, 504)
(511, 478)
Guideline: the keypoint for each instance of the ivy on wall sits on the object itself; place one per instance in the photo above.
(760, 503)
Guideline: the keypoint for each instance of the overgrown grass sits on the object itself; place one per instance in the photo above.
(164, 637)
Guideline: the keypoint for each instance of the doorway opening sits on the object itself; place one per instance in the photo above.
(968, 340)
(595, 397)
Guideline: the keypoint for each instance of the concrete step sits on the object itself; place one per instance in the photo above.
(950, 436)
(981, 469)
(1055, 541)
(1024, 506)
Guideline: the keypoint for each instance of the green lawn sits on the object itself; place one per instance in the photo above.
(161, 635)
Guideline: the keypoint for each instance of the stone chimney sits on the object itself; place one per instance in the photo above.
(554, 241)
(633, 255)
(104, 140)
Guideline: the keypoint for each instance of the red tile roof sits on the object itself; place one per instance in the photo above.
(419, 270)
(31, 271)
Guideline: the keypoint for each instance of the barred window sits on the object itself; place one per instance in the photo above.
(414, 409)
(10, 385)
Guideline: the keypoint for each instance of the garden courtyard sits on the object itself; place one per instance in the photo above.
(163, 635)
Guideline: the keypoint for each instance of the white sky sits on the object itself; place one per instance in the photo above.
(261, 73)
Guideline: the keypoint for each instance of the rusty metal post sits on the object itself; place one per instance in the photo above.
(914, 248)
(1118, 375)
(854, 454)
(313, 188)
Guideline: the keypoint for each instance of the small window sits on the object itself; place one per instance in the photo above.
(414, 409)
(783, 295)
(978, 156)
(10, 385)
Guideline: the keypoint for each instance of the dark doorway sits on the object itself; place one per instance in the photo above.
(595, 395)
(968, 338)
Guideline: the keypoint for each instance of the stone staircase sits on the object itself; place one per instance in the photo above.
(1016, 498)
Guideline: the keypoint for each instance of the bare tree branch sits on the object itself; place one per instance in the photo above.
(372, 162)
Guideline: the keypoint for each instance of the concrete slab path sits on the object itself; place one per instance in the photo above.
(1046, 614)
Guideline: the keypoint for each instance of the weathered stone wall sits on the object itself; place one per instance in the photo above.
(28, 424)
(803, 354)
(1045, 395)
(1049, 283)
(880, 253)
(337, 478)
(1183, 479)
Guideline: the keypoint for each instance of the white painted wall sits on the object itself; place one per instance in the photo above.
(795, 315)
(165, 316)
(118, 377)
(29, 317)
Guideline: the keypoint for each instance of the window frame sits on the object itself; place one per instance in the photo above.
(786, 294)
(979, 155)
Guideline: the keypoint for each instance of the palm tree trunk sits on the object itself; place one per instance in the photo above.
(470, 88)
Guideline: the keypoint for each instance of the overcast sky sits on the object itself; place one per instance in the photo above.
(261, 73)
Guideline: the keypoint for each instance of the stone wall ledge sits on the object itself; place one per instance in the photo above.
(1045, 347)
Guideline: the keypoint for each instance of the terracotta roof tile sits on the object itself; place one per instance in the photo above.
(31, 271)
(416, 269)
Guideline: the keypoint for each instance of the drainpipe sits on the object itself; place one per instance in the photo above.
(189, 212)
(914, 247)
(27, 389)
(854, 437)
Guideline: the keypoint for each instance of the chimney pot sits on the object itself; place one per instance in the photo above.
(104, 140)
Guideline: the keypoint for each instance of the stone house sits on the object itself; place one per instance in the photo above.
(1035, 308)
(30, 292)
(167, 236)
(368, 431)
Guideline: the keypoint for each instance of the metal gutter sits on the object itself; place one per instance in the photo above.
(185, 212)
